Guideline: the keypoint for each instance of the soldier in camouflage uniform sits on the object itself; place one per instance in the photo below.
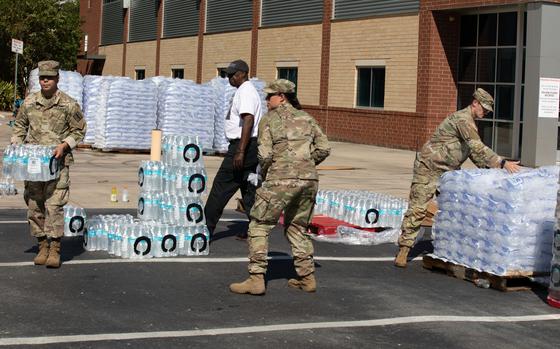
(290, 144)
(455, 140)
(49, 117)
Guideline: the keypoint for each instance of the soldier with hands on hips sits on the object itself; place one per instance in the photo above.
(49, 117)
(290, 145)
(454, 140)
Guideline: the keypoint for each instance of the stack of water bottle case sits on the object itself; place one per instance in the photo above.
(170, 209)
(362, 209)
(496, 222)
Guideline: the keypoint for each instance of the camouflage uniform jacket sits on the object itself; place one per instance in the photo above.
(50, 122)
(455, 140)
(291, 143)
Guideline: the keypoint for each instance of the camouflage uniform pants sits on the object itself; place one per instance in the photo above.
(45, 202)
(296, 198)
(422, 190)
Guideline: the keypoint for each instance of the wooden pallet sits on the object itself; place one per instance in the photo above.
(513, 281)
(84, 146)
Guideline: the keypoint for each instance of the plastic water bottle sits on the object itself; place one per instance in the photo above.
(125, 195)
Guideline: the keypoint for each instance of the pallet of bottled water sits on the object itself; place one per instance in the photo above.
(554, 282)
(126, 237)
(361, 208)
(31, 162)
(74, 221)
(497, 222)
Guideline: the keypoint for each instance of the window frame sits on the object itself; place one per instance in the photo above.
(175, 68)
(517, 83)
(137, 70)
(369, 64)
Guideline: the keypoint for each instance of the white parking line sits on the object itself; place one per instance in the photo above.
(272, 328)
(12, 222)
(203, 260)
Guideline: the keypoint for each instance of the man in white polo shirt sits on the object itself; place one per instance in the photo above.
(241, 128)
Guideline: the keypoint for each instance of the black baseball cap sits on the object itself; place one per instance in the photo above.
(238, 65)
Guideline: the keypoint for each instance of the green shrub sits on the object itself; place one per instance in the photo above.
(6, 95)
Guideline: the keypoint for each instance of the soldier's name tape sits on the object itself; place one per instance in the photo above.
(205, 260)
(407, 320)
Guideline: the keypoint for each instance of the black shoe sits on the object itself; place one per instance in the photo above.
(241, 237)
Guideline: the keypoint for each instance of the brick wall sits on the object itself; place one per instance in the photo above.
(325, 52)
(141, 54)
(253, 65)
(437, 71)
(91, 25)
(113, 59)
(224, 48)
(179, 51)
(391, 39)
(300, 44)
(387, 129)
(91, 17)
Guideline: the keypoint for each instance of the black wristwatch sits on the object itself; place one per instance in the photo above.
(502, 163)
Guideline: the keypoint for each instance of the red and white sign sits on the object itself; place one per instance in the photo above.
(17, 46)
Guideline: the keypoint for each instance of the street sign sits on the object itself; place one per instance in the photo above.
(17, 46)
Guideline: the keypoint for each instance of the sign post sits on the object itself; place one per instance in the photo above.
(17, 48)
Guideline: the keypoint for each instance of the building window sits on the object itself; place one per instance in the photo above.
(290, 73)
(178, 73)
(490, 57)
(370, 87)
(221, 72)
(140, 74)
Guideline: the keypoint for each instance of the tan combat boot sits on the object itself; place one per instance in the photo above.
(41, 257)
(54, 254)
(253, 285)
(400, 259)
(306, 283)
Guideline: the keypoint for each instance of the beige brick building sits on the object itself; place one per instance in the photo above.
(378, 72)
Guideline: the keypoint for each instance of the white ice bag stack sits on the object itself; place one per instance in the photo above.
(130, 114)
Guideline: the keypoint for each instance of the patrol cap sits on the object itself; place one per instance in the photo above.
(484, 98)
(280, 86)
(48, 68)
(238, 65)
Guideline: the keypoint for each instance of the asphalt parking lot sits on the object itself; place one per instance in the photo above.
(97, 301)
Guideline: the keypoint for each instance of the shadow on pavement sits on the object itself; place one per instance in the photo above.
(233, 229)
(70, 247)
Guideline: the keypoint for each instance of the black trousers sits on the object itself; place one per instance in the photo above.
(228, 181)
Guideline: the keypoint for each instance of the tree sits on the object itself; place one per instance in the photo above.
(50, 29)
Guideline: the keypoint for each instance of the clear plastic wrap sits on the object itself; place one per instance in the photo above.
(497, 222)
